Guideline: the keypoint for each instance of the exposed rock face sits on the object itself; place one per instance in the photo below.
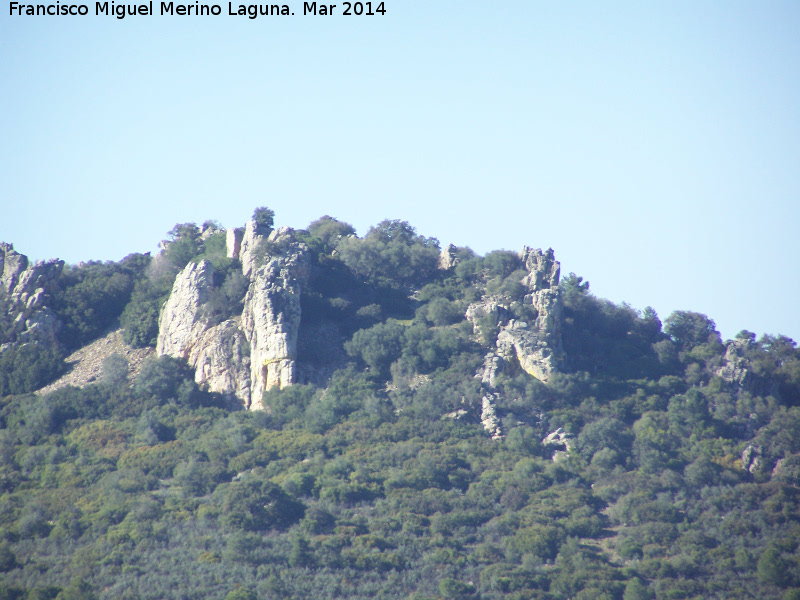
(218, 353)
(222, 361)
(181, 324)
(560, 443)
(243, 356)
(492, 365)
(12, 264)
(543, 269)
(271, 317)
(247, 248)
(527, 344)
(734, 368)
(27, 289)
(233, 241)
(489, 416)
(534, 345)
(493, 308)
(751, 458)
(537, 344)
(448, 258)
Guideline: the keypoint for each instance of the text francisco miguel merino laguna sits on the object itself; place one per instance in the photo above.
(120, 11)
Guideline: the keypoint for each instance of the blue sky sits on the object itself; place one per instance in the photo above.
(655, 147)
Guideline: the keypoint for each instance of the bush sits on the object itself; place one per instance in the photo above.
(379, 346)
(392, 253)
(28, 367)
(140, 317)
(184, 244)
(255, 505)
(326, 232)
(441, 311)
(165, 378)
(115, 370)
(265, 220)
(92, 297)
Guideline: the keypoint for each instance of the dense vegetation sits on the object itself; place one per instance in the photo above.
(357, 488)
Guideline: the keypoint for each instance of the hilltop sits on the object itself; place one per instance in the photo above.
(263, 412)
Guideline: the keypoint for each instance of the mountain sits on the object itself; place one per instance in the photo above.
(264, 412)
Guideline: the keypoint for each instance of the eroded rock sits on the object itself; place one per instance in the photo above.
(271, 316)
(181, 323)
(559, 443)
(489, 418)
(751, 458)
(734, 368)
(242, 356)
(493, 309)
(448, 258)
(27, 288)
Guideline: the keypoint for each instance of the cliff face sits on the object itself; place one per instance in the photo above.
(271, 316)
(181, 324)
(28, 288)
(245, 355)
(217, 353)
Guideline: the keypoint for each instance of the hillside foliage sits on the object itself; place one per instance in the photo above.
(680, 484)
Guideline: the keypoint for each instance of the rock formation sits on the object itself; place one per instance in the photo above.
(233, 241)
(448, 258)
(181, 323)
(222, 361)
(534, 345)
(271, 317)
(559, 443)
(489, 418)
(490, 309)
(734, 367)
(528, 345)
(245, 355)
(27, 290)
(217, 353)
(751, 458)
(247, 248)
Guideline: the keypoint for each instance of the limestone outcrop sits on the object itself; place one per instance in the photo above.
(181, 323)
(248, 246)
(493, 309)
(244, 355)
(734, 368)
(751, 458)
(27, 289)
(534, 345)
(217, 352)
(233, 241)
(559, 443)
(537, 343)
(528, 345)
(448, 258)
(271, 316)
(489, 418)
(221, 361)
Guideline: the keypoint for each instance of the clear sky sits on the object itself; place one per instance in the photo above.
(654, 146)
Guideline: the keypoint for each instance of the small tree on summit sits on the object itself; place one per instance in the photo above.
(265, 220)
